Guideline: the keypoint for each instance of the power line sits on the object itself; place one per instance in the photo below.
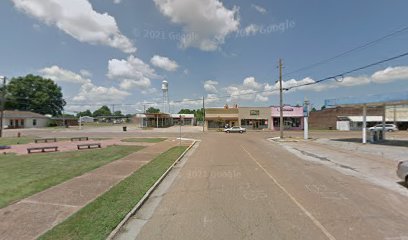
(349, 51)
(341, 75)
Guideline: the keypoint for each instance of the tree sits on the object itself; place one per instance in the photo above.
(186, 111)
(152, 110)
(323, 107)
(314, 109)
(118, 113)
(85, 113)
(103, 111)
(36, 94)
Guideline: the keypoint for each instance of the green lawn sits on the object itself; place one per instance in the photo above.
(6, 141)
(97, 219)
(147, 140)
(24, 175)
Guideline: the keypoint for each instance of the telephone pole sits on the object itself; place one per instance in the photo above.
(281, 125)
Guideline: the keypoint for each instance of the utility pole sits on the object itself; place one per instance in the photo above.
(281, 125)
(203, 115)
(3, 104)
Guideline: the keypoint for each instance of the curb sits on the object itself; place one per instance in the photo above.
(146, 196)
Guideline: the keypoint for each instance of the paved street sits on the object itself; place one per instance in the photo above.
(242, 186)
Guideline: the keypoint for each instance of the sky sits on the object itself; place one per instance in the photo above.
(117, 52)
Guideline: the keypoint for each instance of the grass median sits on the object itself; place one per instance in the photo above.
(15, 140)
(24, 175)
(147, 140)
(97, 219)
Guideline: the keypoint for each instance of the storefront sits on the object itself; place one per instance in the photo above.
(255, 118)
(292, 118)
(216, 118)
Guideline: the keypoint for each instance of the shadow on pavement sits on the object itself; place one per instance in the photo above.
(403, 184)
(396, 143)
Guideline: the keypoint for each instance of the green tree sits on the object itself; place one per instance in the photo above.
(152, 110)
(36, 94)
(314, 109)
(323, 107)
(118, 113)
(85, 113)
(186, 111)
(103, 111)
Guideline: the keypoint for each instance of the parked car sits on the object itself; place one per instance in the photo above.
(388, 127)
(235, 129)
(402, 171)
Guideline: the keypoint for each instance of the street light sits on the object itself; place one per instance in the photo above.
(3, 101)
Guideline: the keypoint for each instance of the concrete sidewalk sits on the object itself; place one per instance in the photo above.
(373, 163)
(33, 216)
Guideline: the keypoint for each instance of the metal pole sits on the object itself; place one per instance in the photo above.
(3, 101)
(281, 125)
(306, 120)
(365, 124)
(203, 115)
(180, 129)
(383, 122)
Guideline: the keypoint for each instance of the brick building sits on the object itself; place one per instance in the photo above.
(327, 118)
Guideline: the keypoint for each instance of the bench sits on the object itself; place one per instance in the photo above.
(42, 149)
(79, 139)
(88, 146)
(37, 140)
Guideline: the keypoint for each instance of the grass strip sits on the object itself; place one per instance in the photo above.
(97, 219)
(6, 141)
(24, 175)
(147, 140)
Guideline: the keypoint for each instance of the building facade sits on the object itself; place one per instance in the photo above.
(24, 119)
(255, 118)
(292, 118)
(216, 118)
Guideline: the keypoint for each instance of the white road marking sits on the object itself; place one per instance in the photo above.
(304, 210)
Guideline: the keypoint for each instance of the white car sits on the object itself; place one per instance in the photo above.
(402, 171)
(388, 127)
(235, 129)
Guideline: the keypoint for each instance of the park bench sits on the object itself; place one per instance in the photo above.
(79, 139)
(88, 146)
(42, 149)
(37, 140)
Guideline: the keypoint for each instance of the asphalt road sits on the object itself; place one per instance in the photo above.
(241, 186)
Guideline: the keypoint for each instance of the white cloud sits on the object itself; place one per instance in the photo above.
(117, 1)
(78, 19)
(250, 83)
(85, 73)
(205, 23)
(390, 74)
(259, 8)
(210, 86)
(251, 29)
(58, 74)
(164, 63)
(132, 72)
(89, 92)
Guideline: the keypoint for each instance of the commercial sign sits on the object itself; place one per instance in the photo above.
(254, 112)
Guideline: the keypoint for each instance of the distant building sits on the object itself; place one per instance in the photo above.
(24, 119)
(187, 119)
(292, 118)
(255, 117)
(216, 118)
(86, 119)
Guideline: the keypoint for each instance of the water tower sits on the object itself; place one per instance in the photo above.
(165, 89)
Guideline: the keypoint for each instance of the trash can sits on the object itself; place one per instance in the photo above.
(124, 128)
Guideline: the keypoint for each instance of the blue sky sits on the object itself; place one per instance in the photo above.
(118, 52)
